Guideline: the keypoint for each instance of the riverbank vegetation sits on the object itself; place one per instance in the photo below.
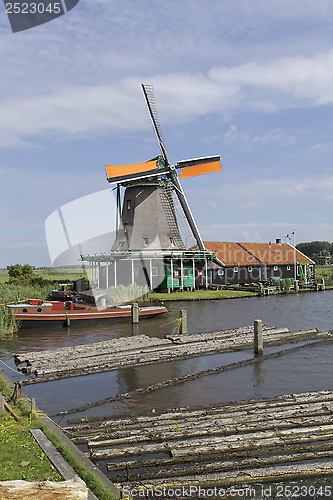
(21, 458)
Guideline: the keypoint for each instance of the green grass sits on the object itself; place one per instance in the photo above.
(201, 295)
(325, 272)
(17, 445)
(21, 458)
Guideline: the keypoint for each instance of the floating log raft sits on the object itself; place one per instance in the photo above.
(258, 441)
(141, 350)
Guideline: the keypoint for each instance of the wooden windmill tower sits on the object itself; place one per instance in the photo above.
(149, 216)
(157, 240)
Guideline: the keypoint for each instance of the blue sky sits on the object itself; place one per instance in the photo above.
(249, 80)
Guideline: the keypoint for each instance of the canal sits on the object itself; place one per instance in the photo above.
(304, 370)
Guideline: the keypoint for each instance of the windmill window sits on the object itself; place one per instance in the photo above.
(220, 272)
(236, 269)
(129, 204)
(154, 271)
(250, 269)
(121, 246)
(288, 268)
(276, 268)
(136, 272)
(172, 242)
(145, 242)
(125, 228)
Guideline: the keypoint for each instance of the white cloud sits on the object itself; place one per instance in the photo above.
(261, 87)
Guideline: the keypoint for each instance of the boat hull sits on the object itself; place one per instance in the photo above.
(54, 314)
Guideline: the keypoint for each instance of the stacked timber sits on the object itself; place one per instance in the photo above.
(286, 438)
(141, 350)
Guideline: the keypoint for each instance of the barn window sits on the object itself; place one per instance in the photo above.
(220, 272)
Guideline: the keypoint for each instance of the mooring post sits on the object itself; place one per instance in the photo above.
(323, 284)
(296, 286)
(183, 315)
(258, 341)
(261, 291)
(33, 405)
(135, 313)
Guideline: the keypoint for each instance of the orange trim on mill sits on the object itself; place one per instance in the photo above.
(202, 168)
(119, 170)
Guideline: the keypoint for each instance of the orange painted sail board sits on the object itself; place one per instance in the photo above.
(202, 168)
(120, 170)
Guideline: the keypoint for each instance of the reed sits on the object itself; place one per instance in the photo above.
(10, 292)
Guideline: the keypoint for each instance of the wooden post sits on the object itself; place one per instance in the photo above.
(33, 404)
(2, 406)
(258, 341)
(323, 284)
(135, 313)
(296, 286)
(261, 291)
(183, 314)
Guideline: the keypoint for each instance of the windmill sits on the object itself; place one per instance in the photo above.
(149, 217)
(157, 241)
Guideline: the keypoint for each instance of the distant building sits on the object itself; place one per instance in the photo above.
(253, 262)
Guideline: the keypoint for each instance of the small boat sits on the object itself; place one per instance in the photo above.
(33, 313)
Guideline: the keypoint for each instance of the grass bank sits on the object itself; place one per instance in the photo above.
(21, 458)
(201, 295)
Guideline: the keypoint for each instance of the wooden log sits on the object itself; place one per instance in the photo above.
(187, 469)
(254, 456)
(306, 403)
(153, 354)
(219, 444)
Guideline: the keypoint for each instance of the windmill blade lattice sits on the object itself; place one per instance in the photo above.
(148, 92)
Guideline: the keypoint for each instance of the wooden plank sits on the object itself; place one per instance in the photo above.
(11, 411)
(58, 460)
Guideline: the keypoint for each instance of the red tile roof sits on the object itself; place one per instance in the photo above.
(255, 254)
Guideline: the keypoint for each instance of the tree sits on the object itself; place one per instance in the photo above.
(21, 275)
(314, 248)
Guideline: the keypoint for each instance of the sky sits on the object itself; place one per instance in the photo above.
(249, 80)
